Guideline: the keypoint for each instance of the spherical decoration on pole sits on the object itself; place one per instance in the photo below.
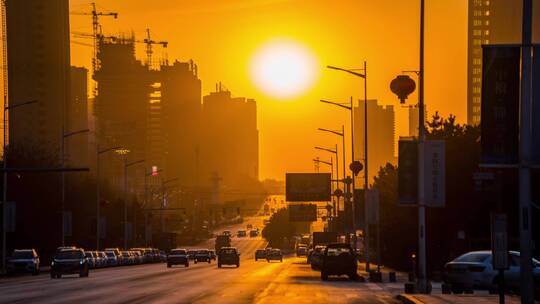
(356, 167)
(402, 86)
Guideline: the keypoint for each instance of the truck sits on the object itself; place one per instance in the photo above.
(222, 241)
(323, 238)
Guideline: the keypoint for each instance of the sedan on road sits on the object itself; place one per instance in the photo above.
(315, 258)
(23, 260)
(339, 259)
(475, 270)
(203, 255)
(274, 255)
(177, 257)
(228, 256)
(112, 258)
(69, 261)
(260, 254)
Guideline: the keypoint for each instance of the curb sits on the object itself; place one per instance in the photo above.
(408, 299)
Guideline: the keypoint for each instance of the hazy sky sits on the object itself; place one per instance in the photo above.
(222, 36)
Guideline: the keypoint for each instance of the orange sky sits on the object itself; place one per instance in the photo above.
(222, 36)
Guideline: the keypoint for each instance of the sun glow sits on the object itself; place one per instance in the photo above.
(283, 69)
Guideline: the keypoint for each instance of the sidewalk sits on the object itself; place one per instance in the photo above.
(453, 298)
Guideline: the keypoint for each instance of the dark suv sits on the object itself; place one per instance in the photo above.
(228, 256)
(339, 259)
(69, 261)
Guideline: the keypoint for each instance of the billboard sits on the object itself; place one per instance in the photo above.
(408, 172)
(500, 104)
(308, 187)
(303, 213)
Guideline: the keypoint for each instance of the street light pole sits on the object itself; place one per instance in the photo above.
(7, 107)
(525, 223)
(63, 207)
(98, 224)
(126, 166)
(422, 269)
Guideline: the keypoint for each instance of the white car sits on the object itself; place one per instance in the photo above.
(475, 270)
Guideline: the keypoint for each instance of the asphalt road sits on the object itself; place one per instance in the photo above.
(254, 282)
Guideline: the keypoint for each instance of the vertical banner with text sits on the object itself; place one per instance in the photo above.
(408, 172)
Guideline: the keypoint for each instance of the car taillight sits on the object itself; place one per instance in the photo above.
(476, 268)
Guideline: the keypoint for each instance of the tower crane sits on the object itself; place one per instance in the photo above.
(96, 28)
(149, 43)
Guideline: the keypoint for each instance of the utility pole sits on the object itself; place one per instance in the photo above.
(525, 224)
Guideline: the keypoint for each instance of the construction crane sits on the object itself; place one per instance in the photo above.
(149, 43)
(96, 28)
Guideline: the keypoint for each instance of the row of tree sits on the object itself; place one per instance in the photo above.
(464, 223)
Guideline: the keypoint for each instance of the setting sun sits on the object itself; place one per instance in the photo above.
(283, 69)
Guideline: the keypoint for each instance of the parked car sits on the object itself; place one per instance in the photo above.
(228, 256)
(339, 259)
(241, 233)
(69, 261)
(116, 250)
(227, 233)
(315, 258)
(162, 256)
(100, 260)
(23, 260)
(177, 257)
(112, 258)
(92, 262)
(203, 255)
(274, 255)
(475, 269)
(103, 258)
(260, 254)
(253, 233)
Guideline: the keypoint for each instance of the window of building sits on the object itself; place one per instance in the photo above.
(476, 90)
(476, 71)
(476, 100)
(477, 61)
(487, 13)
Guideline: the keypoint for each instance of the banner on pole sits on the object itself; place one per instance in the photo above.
(434, 173)
(372, 202)
(408, 172)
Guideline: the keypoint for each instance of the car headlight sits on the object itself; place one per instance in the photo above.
(52, 263)
(81, 262)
